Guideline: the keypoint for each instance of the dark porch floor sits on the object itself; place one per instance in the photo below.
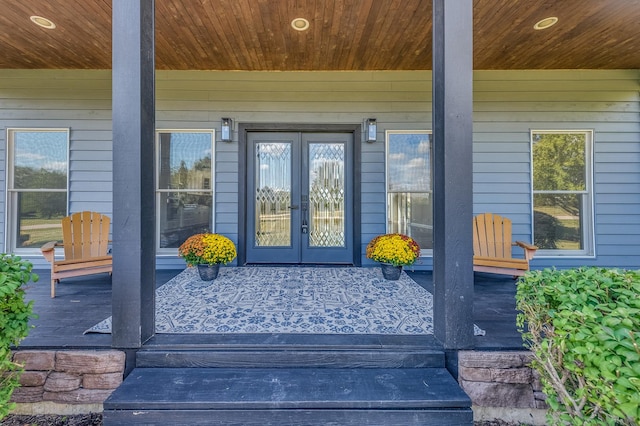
(82, 302)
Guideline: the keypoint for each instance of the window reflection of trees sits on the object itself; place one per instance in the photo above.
(43, 204)
(38, 186)
(560, 185)
(186, 193)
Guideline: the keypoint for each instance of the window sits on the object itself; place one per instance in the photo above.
(409, 190)
(562, 194)
(37, 182)
(184, 190)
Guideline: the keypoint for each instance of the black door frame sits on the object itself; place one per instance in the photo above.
(245, 128)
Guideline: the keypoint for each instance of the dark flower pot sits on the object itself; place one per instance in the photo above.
(391, 272)
(208, 272)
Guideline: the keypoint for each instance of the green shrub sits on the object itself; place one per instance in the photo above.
(14, 321)
(584, 332)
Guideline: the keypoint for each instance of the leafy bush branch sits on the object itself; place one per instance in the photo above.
(584, 332)
(14, 321)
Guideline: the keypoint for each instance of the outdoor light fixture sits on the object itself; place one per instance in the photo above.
(225, 132)
(372, 129)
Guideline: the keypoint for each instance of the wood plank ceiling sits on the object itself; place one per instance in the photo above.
(343, 34)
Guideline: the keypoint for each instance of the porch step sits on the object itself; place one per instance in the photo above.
(282, 351)
(270, 358)
(289, 380)
(288, 396)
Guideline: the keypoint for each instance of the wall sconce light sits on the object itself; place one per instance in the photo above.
(225, 131)
(372, 130)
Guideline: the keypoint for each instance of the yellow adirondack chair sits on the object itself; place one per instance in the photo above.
(492, 247)
(85, 238)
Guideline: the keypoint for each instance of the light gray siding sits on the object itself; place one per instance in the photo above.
(78, 100)
(193, 99)
(507, 104)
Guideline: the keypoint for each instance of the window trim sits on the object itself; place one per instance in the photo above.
(158, 191)
(588, 233)
(423, 252)
(11, 207)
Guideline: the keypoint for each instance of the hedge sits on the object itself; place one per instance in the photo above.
(584, 332)
(14, 321)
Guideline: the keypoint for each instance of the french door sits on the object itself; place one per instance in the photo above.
(300, 197)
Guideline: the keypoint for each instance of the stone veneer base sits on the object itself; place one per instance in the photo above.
(502, 386)
(66, 381)
(47, 407)
(529, 416)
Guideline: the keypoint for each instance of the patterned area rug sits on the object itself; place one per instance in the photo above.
(291, 300)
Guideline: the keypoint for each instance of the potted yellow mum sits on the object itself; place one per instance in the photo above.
(207, 251)
(393, 251)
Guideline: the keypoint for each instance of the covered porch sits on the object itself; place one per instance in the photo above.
(400, 54)
(82, 302)
(145, 44)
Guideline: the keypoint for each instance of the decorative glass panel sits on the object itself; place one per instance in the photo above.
(326, 195)
(409, 202)
(273, 194)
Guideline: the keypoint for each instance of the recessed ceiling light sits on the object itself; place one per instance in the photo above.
(300, 24)
(545, 23)
(43, 22)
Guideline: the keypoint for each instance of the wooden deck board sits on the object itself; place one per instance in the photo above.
(84, 301)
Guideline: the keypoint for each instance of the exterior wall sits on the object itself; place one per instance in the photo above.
(80, 101)
(193, 99)
(63, 99)
(507, 104)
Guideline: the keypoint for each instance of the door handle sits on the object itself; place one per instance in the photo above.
(293, 207)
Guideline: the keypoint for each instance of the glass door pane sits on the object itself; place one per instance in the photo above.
(273, 194)
(326, 195)
(298, 198)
